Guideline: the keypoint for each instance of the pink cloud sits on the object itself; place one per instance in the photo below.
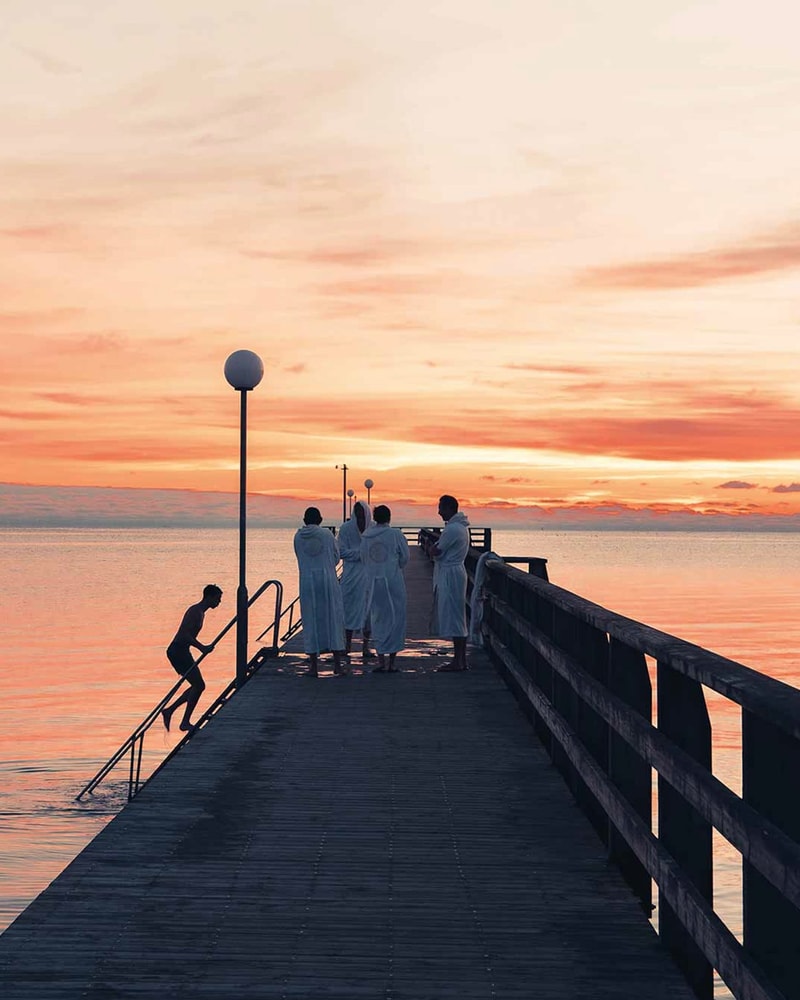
(366, 255)
(75, 398)
(550, 369)
(35, 319)
(37, 234)
(48, 62)
(25, 416)
(422, 283)
(762, 255)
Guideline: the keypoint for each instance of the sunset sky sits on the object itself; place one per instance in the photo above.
(542, 255)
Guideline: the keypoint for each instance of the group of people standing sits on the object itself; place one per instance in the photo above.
(371, 597)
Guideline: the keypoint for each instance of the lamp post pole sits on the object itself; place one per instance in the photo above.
(343, 467)
(241, 590)
(368, 483)
(243, 370)
(350, 495)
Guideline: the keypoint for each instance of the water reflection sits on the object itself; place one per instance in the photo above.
(90, 613)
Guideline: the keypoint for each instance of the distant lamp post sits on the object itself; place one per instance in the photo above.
(343, 467)
(350, 494)
(368, 483)
(243, 370)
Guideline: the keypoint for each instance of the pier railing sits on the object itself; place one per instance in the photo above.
(479, 538)
(581, 673)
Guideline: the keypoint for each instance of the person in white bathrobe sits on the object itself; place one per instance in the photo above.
(354, 579)
(450, 582)
(320, 593)
(384, 553)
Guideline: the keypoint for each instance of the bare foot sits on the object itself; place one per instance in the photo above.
(186, 726)
(165, 718)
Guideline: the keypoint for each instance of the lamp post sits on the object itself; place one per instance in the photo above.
(343, 467)
(368, 483)
(350, 494)
(243, 370)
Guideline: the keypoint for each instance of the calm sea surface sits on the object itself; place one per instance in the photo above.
(88, 614)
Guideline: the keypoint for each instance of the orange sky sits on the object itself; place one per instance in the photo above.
(543, 254)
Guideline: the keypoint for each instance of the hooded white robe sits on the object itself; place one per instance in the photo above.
(384, 553)
(320, 594)
(354, 577)
(450, 579)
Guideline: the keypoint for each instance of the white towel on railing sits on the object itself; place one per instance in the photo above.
(475, 637)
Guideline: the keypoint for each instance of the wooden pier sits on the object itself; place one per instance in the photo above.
(400, 836)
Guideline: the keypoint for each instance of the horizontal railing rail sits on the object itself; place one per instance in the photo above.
(133, 747)
(581, 673)
(480, 538)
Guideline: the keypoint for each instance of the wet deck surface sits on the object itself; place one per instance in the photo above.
(397, 836)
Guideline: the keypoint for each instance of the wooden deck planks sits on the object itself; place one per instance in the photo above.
(377, 836)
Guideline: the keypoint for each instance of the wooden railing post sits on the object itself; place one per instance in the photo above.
(589, 647)
(683, 717)
(563, 697)
(629, 679)
(540, 612)
(538, 567)
(770, 765)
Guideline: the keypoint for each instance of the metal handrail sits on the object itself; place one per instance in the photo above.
(293, 626)
(134, 744)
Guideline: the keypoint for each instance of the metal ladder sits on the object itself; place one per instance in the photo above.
(133, 747)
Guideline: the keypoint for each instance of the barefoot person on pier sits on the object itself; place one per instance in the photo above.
(450, 582)
(384, 552)
(354, 578)
(321, 605)
(180, 656)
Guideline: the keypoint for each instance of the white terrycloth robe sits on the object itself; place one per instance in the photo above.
(478, 598)
(384, 553)
(320, 594)
(354, 577)
(450, 579)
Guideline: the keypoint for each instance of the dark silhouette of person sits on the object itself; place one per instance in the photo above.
(180, 656)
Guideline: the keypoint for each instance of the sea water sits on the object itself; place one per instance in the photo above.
(89, 612)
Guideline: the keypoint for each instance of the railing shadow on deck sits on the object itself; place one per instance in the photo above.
(580, 672)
